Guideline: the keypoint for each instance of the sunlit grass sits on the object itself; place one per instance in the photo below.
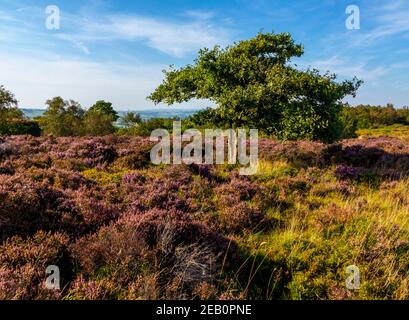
(399, 131)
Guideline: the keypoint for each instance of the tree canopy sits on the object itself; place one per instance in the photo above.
(104, 108)
(8, 106)
(62, 117)
(254, 85)
(130, 119)
(68, 118)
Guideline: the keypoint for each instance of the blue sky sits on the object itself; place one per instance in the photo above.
(116, 50)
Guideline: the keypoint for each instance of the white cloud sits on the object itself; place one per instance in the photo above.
(391, 19)
(173, 38)
(178, 36)
(377, 88)
(38, 66)
(34, 80)
(75, 43)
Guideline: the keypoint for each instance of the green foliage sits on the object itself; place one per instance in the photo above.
(68, 118)
(20, 127)
(98, 124)
(62, 118)
(254, 86)
(12, 120)
(7, 99)
(104, 108)
(130, 119)
(146, 127)
(204, 118)
(395, 130)
(366, 116)
(8, 106)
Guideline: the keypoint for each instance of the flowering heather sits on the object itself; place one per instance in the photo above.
(352, 173)
(23, 264)
(119, 227)
(27, 207)
(241, 207)
(167, 243)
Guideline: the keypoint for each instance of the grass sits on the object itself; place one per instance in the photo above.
(368, 229)
(398, 131)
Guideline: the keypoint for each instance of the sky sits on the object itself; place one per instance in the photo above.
(116, 50)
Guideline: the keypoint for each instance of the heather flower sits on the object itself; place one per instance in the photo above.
(133, 178)
(349, 173)
(167, 243)
(202, 170)
(28, 206)
(23, 264)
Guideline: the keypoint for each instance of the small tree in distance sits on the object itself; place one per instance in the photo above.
(130, 119)
(12, 119)
(62, 118)
(98, 124)
(104, 108)
(8, 106)
(99, 119)
(253, 85)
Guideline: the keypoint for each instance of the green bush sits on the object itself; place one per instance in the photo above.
(146, 127)
(20, 127)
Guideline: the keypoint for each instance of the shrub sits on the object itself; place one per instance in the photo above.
(98, 124)
(145, 128)
(27, 207)
(240, 207)
(181, 253)
(20, 127)
(23, 266)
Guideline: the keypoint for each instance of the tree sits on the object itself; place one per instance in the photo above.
(254, 85)
(8, 106)
(104, 108)
(12, 119)
(130, 119)
(62, 118)
(98, 124)
(99, 119)
(7, 99)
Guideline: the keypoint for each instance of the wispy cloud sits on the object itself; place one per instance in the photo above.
(75, 43)
(177, 36)
(199, 14)
(39, 61)
(349, 69)
(391, 19)
(76, 61)
(37, 79)
(381, 83)
(176, 39)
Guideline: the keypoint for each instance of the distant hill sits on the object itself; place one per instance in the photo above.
(32, 113)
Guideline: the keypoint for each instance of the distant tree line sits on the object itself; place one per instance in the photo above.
(368, 117)
(63, 118)
(68, 118)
